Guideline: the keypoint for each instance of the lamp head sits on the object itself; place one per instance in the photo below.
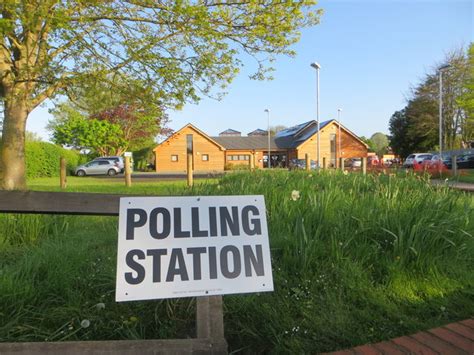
(444, 67)
(339, 110)
(315, 65)
(267, 110)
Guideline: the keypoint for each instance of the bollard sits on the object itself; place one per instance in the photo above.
(341, 164)
(454, 164)
(190, 169)
(128, 172)
(308, 163)
(364, 166)
(325, 163)
(62, 173)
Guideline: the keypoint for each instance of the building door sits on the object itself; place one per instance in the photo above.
(332, 140)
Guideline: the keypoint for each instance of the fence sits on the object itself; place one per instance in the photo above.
(209, 313)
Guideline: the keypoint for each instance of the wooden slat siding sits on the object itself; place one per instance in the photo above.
(209, 310)
(351, 147)
(176, 145)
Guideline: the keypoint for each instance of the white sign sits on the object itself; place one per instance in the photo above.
(192, 246)
(127, 154)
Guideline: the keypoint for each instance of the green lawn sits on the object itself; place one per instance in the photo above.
(466, 176)
(356, 259)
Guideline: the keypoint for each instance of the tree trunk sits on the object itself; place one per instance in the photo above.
(12, 149)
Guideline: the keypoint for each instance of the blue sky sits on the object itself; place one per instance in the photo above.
(371, 53)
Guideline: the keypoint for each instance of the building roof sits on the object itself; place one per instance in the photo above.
(243, 143)
(229, 131)
(258, 132)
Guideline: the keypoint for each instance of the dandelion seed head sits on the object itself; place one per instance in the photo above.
(295, 195)
(85, 323)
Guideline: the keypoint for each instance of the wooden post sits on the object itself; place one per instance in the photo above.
(128, 172)
(307, 162)
(252, 161)
(209, 317)
(62, 173)
(454, 165)
(341, 163)
(364, 166)
(325, 163)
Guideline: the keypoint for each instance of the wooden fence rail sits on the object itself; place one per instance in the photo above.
(209, 313)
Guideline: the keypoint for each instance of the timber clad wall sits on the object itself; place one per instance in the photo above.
(351, 147)
(170, 156)
(176, 145)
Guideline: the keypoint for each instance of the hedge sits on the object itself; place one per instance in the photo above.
(42, 159)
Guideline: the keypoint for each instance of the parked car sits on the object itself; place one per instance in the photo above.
(417, 157)
(114, 159)
(301, 164)
(373, 160)
(353, 162)
(98, 167)
(432, 162)
(465, 161)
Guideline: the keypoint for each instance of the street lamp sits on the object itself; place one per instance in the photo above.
(269, 154)
(316, 66)
(440, 70)
(339, 110)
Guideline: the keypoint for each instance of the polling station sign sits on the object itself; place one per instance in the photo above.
(173, 247)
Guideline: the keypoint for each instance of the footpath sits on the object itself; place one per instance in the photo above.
(464, 186)
(454, 338)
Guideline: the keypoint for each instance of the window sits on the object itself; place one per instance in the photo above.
(229, 157)
(205, 157)
(174, 157)
(189, 143)
(104, 162)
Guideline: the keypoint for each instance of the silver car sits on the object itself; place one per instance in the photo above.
(98, 167)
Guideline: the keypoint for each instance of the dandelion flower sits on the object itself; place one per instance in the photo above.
(346, 172)
(85, 323)
(295, 195)
(133, 319)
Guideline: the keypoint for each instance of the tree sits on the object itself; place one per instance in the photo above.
(75, 131)
(128, 127)
(416, 127)
(369, 143)
(180, 49)
(466, 100)
(380, 143)
(277, 128)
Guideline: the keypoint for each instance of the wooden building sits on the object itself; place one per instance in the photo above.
(215, 154)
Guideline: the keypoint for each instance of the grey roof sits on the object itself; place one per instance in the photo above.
(229, 131)
(242, 143)
(287, 139)
(258, 132)
(294, 136)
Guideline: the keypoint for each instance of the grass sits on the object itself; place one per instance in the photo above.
(356, 259)
(466, 176)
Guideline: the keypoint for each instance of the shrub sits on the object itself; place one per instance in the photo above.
(42, 159)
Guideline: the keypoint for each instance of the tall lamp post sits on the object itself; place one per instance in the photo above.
(316, 66)
(269, 154)
(440, 70)
(339, 110)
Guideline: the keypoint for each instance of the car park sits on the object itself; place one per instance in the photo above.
(465, 161)
(353, 162)
(98, 167)
(300, 164)
(417, 158)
